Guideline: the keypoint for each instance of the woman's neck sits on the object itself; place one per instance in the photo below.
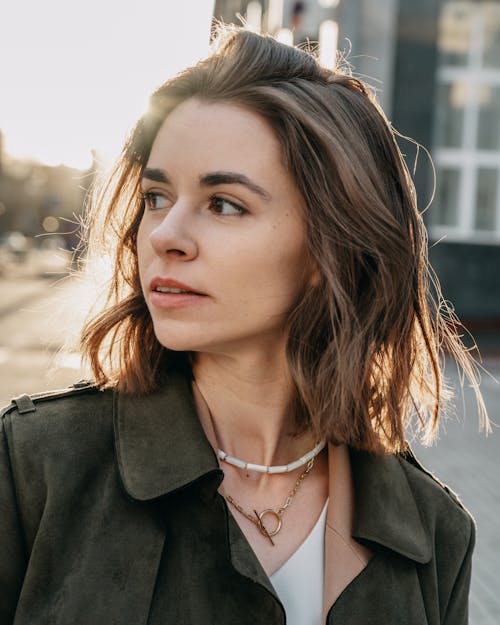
(247, 403)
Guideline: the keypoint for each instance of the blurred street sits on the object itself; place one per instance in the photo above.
(34, 325)
(36, 315)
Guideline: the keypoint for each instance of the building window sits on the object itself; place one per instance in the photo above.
(467, 124)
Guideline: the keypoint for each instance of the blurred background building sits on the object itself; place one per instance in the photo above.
(435, 65)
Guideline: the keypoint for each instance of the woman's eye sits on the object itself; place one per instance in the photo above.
(154, 201)
(223, 207)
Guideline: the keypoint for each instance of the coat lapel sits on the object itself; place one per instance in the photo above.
(386, 591)
(344, 557)
(371, 507)
(386, 512)
(160, 448)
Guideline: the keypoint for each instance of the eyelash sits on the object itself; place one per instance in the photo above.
(216, 198)
(148, 198)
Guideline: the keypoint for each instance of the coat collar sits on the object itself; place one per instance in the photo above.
(160, 443)
(386, 512)
(161, 447)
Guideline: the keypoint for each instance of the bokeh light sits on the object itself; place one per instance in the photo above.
(50, 224)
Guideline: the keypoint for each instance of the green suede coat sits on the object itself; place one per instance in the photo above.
(110, 515)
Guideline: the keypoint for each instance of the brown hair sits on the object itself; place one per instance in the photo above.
(365, 343)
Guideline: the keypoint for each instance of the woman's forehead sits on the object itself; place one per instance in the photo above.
(214, 124)
(203, 137)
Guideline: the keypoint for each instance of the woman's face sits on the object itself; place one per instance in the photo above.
(221, 245)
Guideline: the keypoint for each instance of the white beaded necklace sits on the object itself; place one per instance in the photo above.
(262, 468)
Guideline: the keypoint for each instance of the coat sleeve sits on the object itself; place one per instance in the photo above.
(457, 611)
(12, 549)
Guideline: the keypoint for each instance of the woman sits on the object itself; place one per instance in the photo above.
(268, 337)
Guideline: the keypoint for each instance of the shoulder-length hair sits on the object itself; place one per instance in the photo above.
(365, 343)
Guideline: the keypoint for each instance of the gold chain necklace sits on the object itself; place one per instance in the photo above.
(258, 517)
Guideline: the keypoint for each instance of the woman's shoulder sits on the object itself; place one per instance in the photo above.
(78, 412)
(53, 445)
(440, 507)
(402, 478)
(52, 402)
(428, 488)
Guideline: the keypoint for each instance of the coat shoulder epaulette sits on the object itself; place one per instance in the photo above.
(409, 456)
(25, 404)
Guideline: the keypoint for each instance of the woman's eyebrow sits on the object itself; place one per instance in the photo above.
(157, 175)
(212, 179)
(229, 177)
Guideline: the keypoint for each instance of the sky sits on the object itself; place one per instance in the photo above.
(74, 76)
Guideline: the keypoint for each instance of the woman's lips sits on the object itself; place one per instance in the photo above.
(169, 284)
(167, 293)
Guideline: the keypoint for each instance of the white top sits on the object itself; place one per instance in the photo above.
(299, 581)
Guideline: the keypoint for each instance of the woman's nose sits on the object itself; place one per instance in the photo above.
(172, 236)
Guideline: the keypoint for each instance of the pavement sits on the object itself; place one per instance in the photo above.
(37, 335)
(38, 317)
(469, 462)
